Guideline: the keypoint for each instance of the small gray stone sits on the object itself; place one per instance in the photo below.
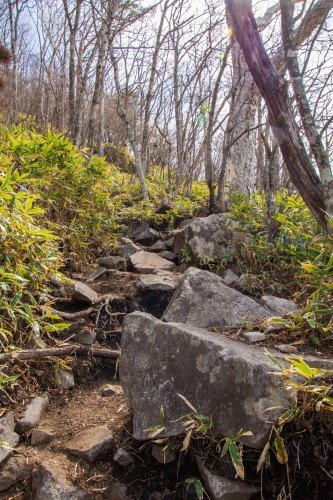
(254, 336)
(16, 469)
(168, 255)
(287, 348)
(49, 482)
(145, 235)
(85, 336)
(8, 436)
(95, 274)
(91, 444)
(129, 249)
(274, 325)
(146, 262)
(83, 293)
(64, 378)
(221, 488)
(159, 246)
(113, 262)
(169, 243)
(122, 457)
(163, 455)
(230, 278)
(111, 390)
(277, 305)
(41, 436)
(32, 414)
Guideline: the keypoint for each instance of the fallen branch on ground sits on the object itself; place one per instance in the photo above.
(75, 315)
(66, 350)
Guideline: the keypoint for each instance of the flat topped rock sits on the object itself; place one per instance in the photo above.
(164, 281)
(202, 299)
(229, 381)
(83, 293)
(91, 443)
(96, 273)
(113, 262)
(146, 262)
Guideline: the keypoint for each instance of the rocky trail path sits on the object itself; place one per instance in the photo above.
(78, 437)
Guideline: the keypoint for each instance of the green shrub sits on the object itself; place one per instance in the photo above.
(88, 200)
(28, 255)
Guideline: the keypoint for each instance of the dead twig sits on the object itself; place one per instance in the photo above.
(75, 315)
(60, 351)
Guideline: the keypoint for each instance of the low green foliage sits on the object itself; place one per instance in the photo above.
(294, 230)
(28, 255)
(58, 206)
(199, 426)
(299, 256)
(87, 199)
(312, 392)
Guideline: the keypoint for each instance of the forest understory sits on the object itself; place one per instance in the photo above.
(166, 251)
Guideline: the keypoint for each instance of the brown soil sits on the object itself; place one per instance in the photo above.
(70, 412)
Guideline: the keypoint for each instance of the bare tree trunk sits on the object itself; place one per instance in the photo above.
(209, 165)
(130, 130)
(273, 89)
(309, 126)
(149, 96)
(98, 90)
(73, 28)
(15, 9)
(260, 154)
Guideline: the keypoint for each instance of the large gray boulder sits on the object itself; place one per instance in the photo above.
(226, 380)
(206, 238)
(202, 299)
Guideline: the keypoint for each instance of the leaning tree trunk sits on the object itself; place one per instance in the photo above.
(303, 105)
(274, 91)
